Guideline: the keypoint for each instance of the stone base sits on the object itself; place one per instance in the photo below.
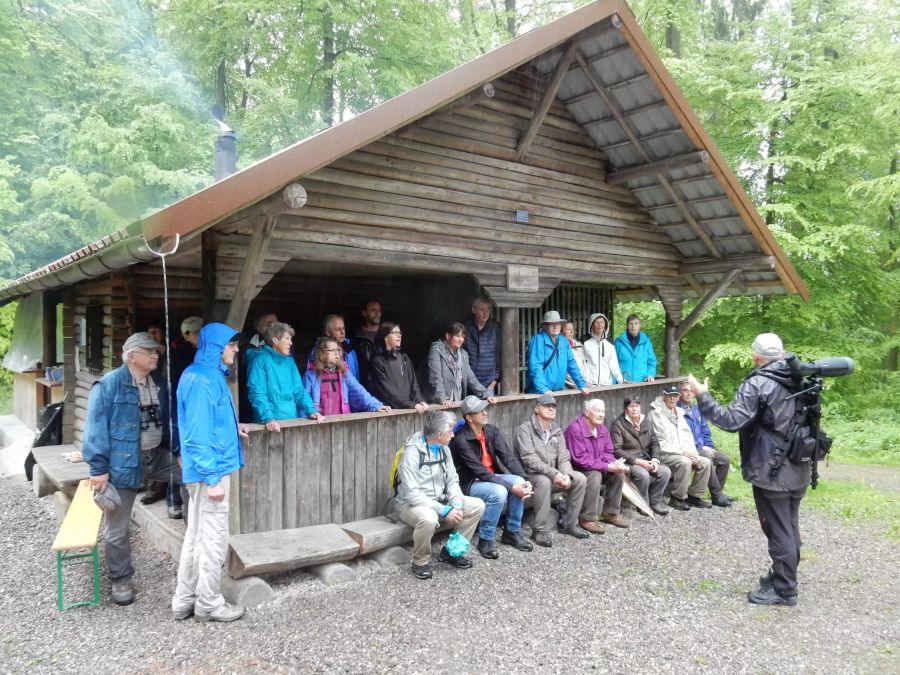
(390, 557)
(333, 573)
(249, 591)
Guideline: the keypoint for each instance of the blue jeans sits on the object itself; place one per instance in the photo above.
(496, 497)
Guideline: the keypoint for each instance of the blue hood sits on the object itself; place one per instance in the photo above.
(211, 343)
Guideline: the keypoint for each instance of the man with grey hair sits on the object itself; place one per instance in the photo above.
(333, 327)
(126, 443)
(483, 344)
(762, 413)
(428, 493)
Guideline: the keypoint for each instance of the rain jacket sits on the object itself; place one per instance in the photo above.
(758, 412)
(210, 444)
(553, 377)
(545, 458)
(350, 358)
(393, 380)
(354, 397)
(636, 363)
(112, 440)
(600, 358)
(275, 389)
(670, 428)
(631, 446)
(697, 422)
(466, 449)
(442, 375)
(426, 480)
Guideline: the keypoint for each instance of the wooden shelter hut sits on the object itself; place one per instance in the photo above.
(562, 170)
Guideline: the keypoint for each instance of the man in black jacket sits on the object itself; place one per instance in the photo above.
(762, 414)
(489, 470)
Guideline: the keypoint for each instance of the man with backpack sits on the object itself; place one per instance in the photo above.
(763, 415)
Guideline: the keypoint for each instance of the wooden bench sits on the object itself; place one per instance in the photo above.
(285, 550)
(80, 530)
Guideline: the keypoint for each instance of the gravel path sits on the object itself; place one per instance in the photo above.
(651, 599)
(877, 477)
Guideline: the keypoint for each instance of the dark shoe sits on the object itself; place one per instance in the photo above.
(223, 614)
(768, 596)
(122, 592)
(155, 494)
(459, 562)
(425, 571)
(678, 504)
(517, 540)
(698, 503)
(542, 539)
(175, 512)
(577, 532)
(614, 519)
(488, 549)
(660, 509)
(591, 526)
(182, 614)
(721, 500)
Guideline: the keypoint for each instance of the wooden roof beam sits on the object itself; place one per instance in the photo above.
(757, 263)
(651, 168)
(546, 100)
(711, 296)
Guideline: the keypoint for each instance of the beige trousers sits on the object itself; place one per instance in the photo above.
(424, 521)
(682, 467)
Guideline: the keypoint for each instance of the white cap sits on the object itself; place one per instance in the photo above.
(192, 324)
(768, 344)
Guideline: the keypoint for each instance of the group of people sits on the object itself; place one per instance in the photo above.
(464, 474)
(467, 474)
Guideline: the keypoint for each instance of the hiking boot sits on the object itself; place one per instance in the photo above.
(154, 494)
(660, 509)
(222, 614)
(721, 501)
(591, 526)
(182, 614)
(459, 562)
(488, 549)
(614, 519)
(517, 540)
(698, 502)
(577, 532)
(175, 512)
(122, 591)
(768, 596)
(542, 538)
(425, 571)
(678, 504)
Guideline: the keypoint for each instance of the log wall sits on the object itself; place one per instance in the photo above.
(337, 471)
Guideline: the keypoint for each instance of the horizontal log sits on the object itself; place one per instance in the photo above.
(375, 534)
(286, 550)
(745, 263)
(651, 168)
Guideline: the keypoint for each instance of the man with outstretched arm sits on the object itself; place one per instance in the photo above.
(211, 452)
(761, 412)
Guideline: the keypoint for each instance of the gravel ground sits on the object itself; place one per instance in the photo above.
(651, 599)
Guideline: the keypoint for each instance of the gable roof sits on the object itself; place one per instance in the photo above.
(616, 87)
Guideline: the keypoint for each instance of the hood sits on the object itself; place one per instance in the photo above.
(779, 371)
(591, 321)
(211, 344)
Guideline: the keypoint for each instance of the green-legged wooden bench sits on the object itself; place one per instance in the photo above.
(80, 530)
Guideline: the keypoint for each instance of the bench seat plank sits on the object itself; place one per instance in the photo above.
(81, 526)
(375, 534)
(284, 550)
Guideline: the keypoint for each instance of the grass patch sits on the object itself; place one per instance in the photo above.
(875, 440)
(708, 585)
(856, 502)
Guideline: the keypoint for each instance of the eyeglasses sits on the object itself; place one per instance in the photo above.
(395, 332)
(331, 350)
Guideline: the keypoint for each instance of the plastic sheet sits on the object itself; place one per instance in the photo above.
(27, 347)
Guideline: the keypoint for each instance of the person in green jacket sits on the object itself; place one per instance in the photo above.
(274, 386)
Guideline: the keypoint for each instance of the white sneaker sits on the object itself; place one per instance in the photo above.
(222, 614)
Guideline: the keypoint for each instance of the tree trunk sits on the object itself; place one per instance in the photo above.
(328, 59)
(511, 27)
(220, 86)
(892, 355)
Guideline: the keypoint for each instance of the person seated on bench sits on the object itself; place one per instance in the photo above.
(126, 443)
(489, 469)
(542, 450)
(592, 453)
(392, 378)
(274, 387)
(331, 385)
(448, 374)
(678, 452)
(428, 493)
(633, 441)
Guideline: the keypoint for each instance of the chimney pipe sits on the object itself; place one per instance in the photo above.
(226, 154)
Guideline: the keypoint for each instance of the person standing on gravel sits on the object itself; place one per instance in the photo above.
(126, 445)
(759, 411)
(211, 452)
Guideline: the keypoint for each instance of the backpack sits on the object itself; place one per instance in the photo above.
(394, 473)
(805, 440)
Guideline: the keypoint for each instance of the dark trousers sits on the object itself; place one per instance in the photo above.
(720, 465)
(778, 517)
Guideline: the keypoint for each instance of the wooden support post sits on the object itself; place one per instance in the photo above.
(509, 366)
(546, 100)
(714, 293)
(673, 347)
(208, 250)
(49, 356)
(256, 256)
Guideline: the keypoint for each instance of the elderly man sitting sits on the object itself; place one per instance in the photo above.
(542, 449)
(678, 452)
(592, 453)
(429, 492)
(489, 469)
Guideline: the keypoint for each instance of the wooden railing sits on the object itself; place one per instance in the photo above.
(337, 471)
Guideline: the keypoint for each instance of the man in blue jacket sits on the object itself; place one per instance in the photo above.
(637, 360)
(705, 446)
(211, 452)
(550, 358)
(126, 443)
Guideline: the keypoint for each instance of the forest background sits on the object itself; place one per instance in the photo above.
(105, 116)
